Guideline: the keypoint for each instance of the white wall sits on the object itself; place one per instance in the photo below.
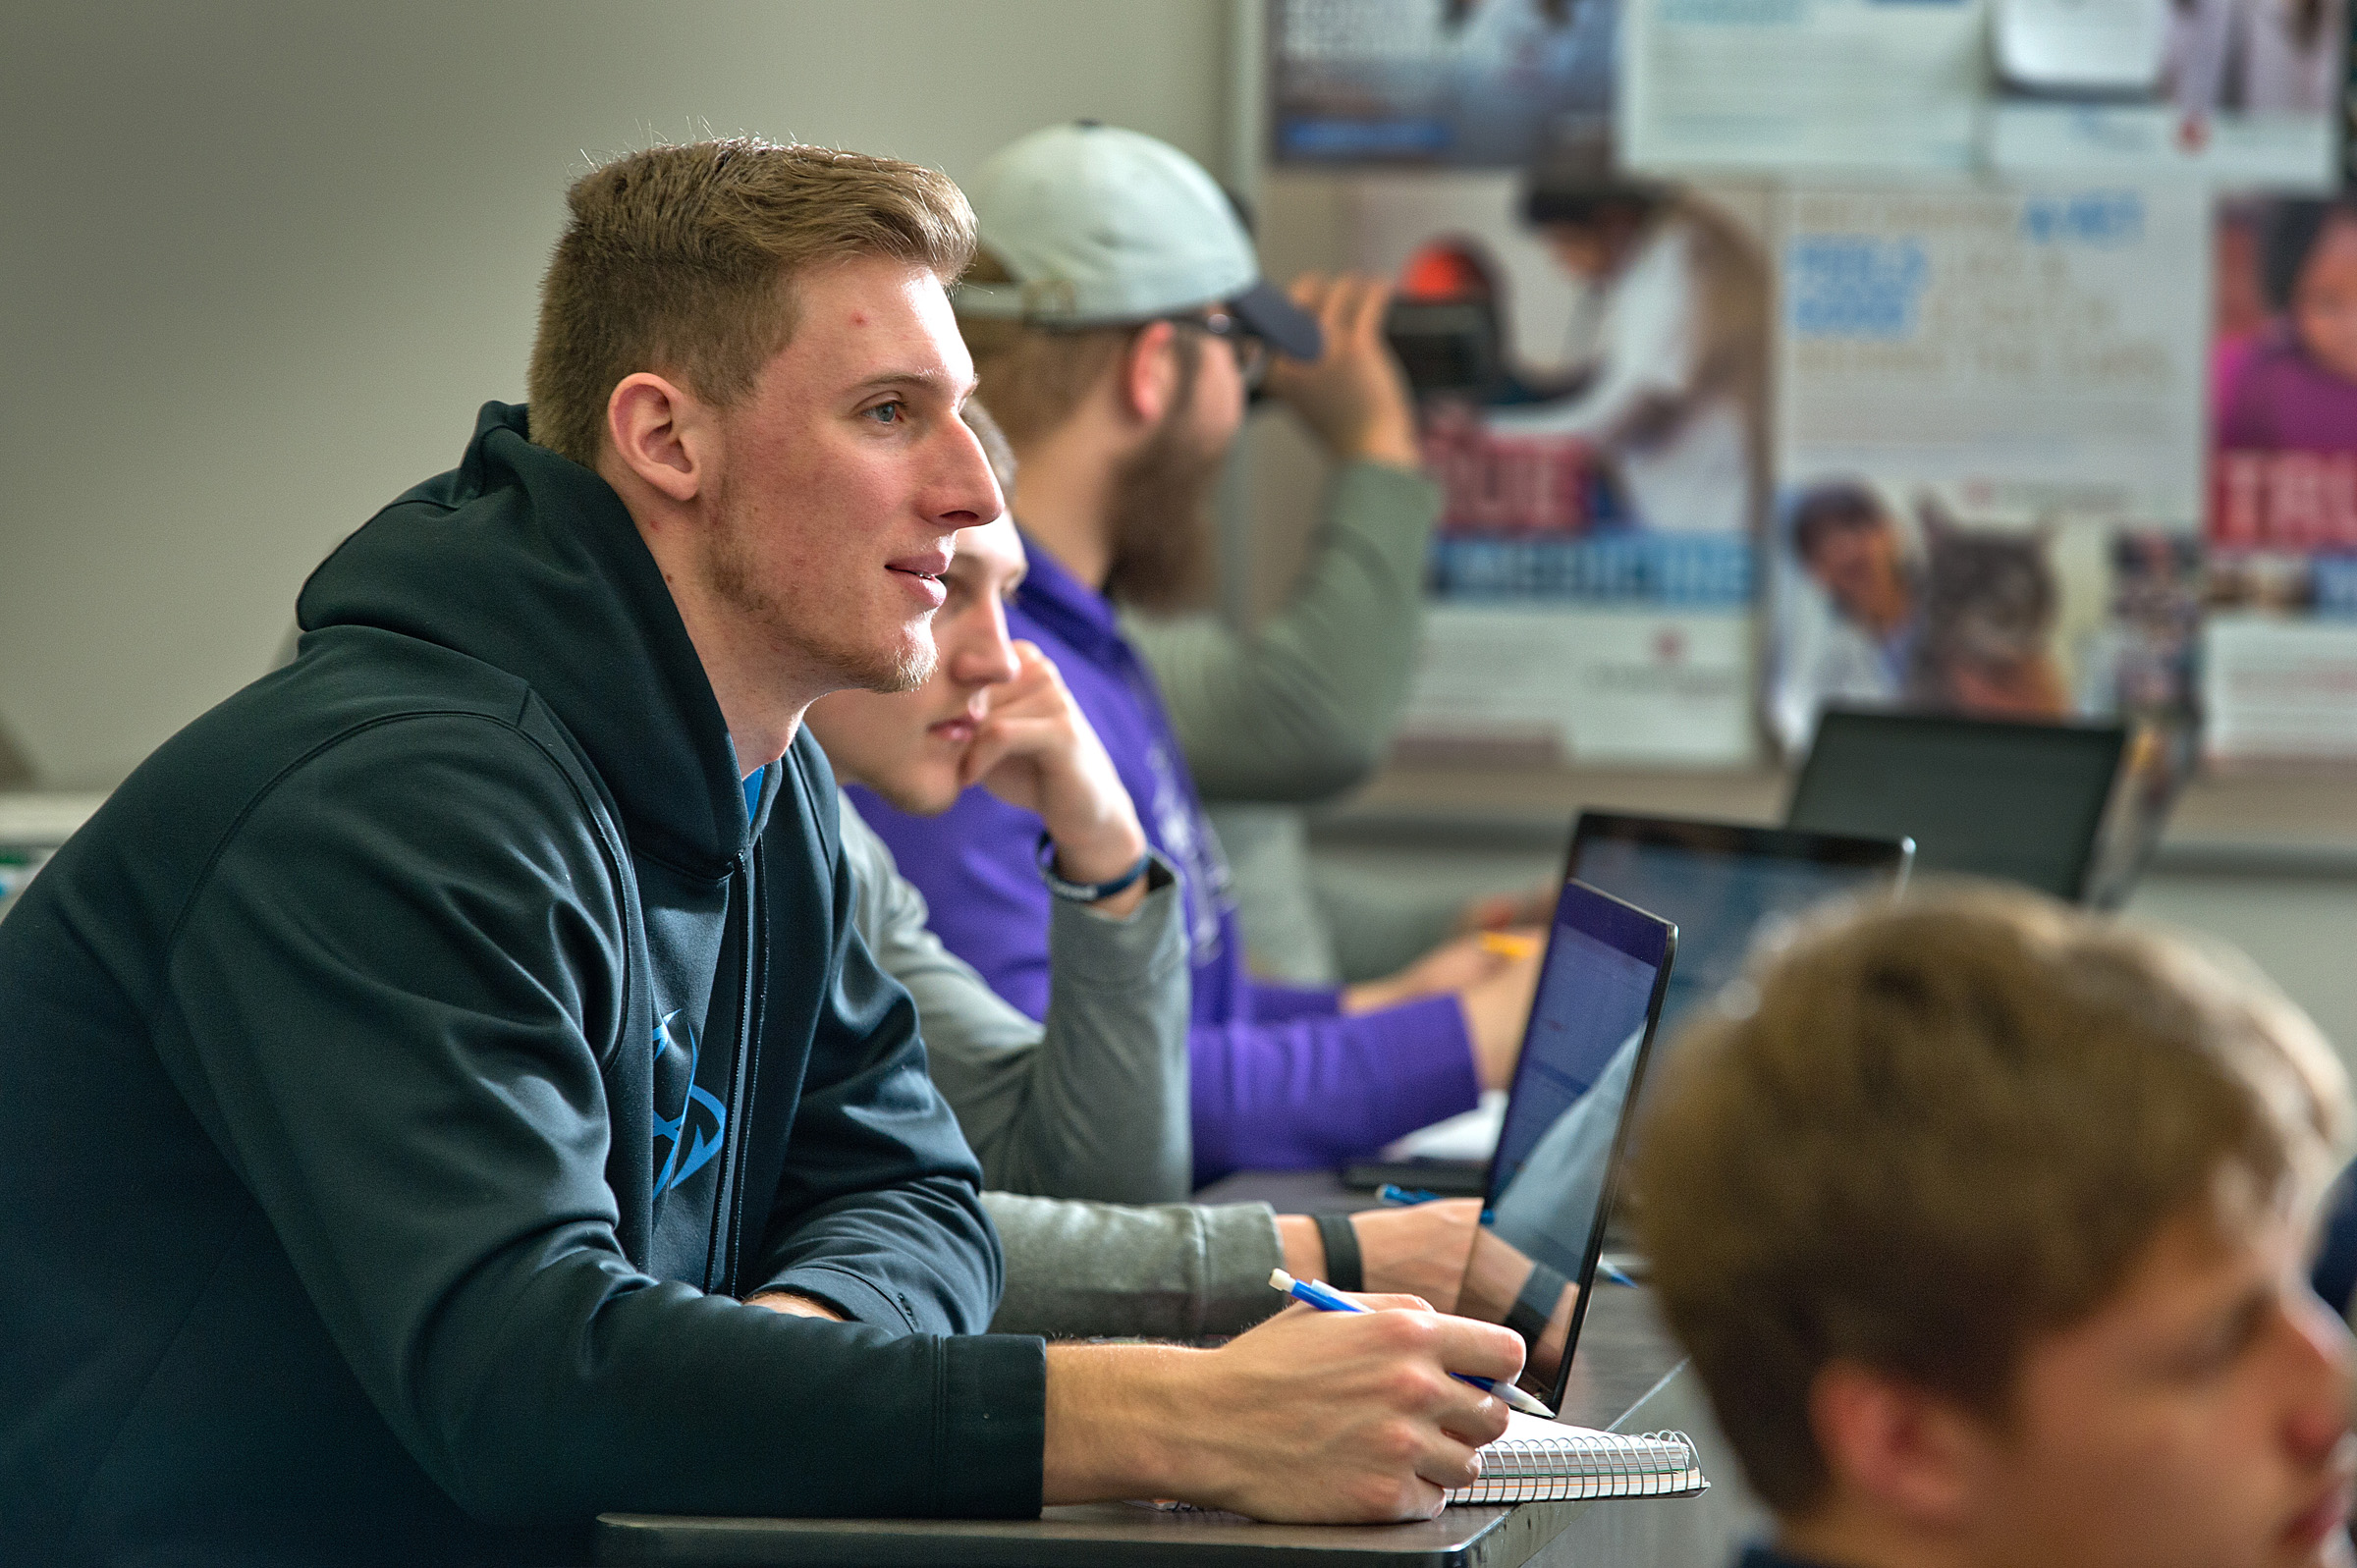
(260, 263)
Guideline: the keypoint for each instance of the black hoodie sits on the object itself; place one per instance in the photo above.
(400, 1069)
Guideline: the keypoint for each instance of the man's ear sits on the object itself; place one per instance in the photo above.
(1149, 374)
(1898, 1450)
(661, 433)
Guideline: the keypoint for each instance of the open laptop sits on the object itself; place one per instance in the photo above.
(1549, 1186)
(1720, 884)
(1987, 797)
(1724, 883)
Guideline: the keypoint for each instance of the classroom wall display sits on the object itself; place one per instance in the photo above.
(1777, 86)
(2231, 92)
(1469, 84)
(1590, 357)
(1989, 453)
(2279, 668)
(2239, 92)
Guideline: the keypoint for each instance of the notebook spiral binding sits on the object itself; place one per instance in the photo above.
(1572, 1467)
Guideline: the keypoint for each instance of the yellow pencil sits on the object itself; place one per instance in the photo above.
(1506, 945)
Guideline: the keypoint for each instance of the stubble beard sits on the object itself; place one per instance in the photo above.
(1162, 537)
(730, 572)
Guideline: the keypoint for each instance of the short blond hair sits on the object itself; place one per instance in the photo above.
(1923, 1135)
(681, 260)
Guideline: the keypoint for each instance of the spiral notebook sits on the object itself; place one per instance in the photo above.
(1547, 1461)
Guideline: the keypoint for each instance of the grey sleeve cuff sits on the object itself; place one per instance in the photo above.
(1165, 1271)
(1240, 1248)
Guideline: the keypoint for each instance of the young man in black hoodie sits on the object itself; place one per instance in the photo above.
(420, 1075)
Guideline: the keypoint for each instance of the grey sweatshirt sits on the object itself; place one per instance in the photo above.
(1093, 1102)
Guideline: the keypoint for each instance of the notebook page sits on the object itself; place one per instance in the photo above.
(1548, 1461)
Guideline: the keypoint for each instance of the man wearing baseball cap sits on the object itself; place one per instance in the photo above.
(1118, 319)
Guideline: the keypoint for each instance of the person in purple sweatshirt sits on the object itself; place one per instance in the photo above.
(1118, 317)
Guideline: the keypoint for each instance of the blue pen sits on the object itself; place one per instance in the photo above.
(1326, 1299)
(1613, 1273)
(1391, 1192)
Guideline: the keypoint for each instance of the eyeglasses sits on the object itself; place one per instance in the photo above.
(1251, 349)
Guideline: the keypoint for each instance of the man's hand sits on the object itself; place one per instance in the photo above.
(1354, 395)
(1036, 750)
(785, 1301)
(1454, 965)
(1310, 1417)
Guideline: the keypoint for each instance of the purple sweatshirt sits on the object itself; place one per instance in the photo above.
(1282, 1079)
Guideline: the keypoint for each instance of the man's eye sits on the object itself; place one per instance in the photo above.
(889, 414)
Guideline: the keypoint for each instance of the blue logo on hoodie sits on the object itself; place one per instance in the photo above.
(704, 1144)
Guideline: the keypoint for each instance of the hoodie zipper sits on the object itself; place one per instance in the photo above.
(720, 1267)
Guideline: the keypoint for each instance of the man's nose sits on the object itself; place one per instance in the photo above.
(984, 656)
(967, 493)
(2321, 1385)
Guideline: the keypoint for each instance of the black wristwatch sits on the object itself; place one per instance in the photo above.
(1345, 1266)
(1085, 891)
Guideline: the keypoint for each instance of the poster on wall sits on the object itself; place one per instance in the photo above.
(2279, 668)
(2241, 92)
(2226, 93)
(1466, 84)
(1774, 87)
(1590, 357)
(1990, 455)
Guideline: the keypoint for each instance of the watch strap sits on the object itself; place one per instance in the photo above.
(1345, 1269)
(1085, 891)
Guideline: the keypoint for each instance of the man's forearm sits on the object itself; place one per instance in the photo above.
(1113, 1413)
(1107, 1112)
(1164, 1271)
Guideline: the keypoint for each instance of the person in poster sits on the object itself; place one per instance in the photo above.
(2280, 651)
(1941, 617)
(1671, 394)
(2286, 389)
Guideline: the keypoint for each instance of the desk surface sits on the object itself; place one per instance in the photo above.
(1628, 1377)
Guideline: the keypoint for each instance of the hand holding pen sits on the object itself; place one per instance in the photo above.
(1327, 1299)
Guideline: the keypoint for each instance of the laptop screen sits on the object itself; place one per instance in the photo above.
(1600, 991)
(1723, 885)
(1985, 797)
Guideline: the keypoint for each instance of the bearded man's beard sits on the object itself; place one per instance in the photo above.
(729, 570)
(1162, 538)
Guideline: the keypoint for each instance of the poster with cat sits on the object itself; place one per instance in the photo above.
(1590, 358)
(2279, 663)
(1990, 454)
(1931, 598)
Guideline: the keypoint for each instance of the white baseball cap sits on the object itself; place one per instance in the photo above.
(1102, 227)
